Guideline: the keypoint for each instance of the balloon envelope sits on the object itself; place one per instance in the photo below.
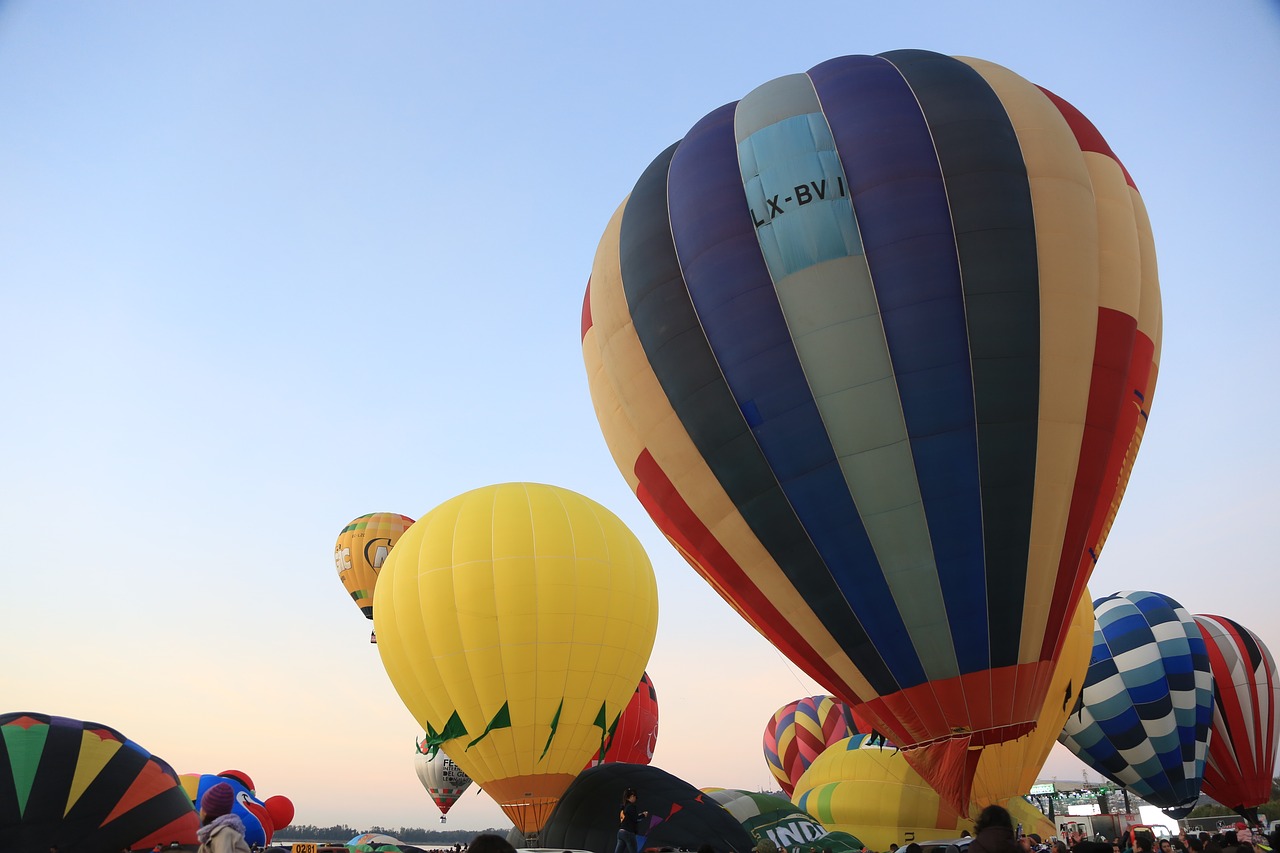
(515, 622)
(443, 779)
(634, 738)
(860, 787)
(362, 548)
(798, 733)
(1144, 714)
(874, 347)
(681, 816)
(1246, 693)
(84, 787)
(780, 821)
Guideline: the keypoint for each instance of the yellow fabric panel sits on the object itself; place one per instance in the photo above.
(1009, 769)
(94, 755)
(646, 409)
(520, 594)
(1067, 245)
(1030, 818)
(1119, 253)
(1151, 318)
(875, 795)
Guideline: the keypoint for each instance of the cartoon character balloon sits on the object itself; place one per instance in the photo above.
(798, 733)
(362, 548)
(443, 779)
(875, 346)
(633, 739)
(261, 818)
(1144, 714)
(1246, 696)
(83, 786)
(515, 622)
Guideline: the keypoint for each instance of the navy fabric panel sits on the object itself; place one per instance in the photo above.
(682, 362)
(900, 201)
(733, 293)
(990, 201)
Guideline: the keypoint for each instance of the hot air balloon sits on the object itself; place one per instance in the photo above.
(361, 549)
(798, 733)
(874, 347)
(84, 787)
(515, 622)
(1008, 770)
(261, 818)
(1144, 714)
(867, 788)
(1246, 693)
(632, 741)
(782, 822)
(444, 780)
(681, 816)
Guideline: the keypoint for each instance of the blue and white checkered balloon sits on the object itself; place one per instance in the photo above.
(1144, 715)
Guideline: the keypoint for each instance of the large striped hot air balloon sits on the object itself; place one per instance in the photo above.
(85, 787)
(874, 346)
(1144, 714)
(1246, 696)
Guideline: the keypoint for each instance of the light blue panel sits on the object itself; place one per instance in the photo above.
(798, 194)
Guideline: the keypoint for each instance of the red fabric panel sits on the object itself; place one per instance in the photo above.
(1107, 390)
(1087, 135)
(586, 311)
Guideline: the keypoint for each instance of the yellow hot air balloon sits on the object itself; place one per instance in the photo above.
(515, 621)
(869, 790)
(362, 548)
(1009, 769)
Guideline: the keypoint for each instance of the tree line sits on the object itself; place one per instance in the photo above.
(416, 835)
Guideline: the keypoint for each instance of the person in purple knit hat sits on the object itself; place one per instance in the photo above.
(220, 831)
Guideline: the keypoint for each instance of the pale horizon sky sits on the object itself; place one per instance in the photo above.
(268, 267)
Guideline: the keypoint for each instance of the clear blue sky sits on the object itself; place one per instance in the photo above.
(270, 266)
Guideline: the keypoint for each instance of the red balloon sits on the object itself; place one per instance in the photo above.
(636, 734)
(1246, 691)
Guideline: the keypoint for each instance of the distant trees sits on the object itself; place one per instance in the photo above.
(416, 835)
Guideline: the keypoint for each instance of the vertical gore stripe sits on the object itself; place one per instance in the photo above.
(990, 201)
(900, 202)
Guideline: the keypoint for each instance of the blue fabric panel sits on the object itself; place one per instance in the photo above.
(732, 291)
(900, 202)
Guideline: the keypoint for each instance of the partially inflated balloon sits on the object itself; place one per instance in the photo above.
(515, 622)
(1144, 714)
(798, 733)
(1246, 700)
(261, 819)
(874, 347)
(362, 548)
(85, 788)
(634, 737)
(1008, 770)
(442, 778)
(868, 789)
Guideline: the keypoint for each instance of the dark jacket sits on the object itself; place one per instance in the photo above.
(629, 817)
(994, 839)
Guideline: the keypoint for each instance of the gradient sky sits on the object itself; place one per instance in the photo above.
(270, 266)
